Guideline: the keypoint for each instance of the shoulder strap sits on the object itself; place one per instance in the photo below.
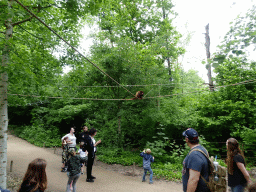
(196, 149)
(207, 156)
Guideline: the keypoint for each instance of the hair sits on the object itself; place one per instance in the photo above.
(252, 188)
(196, 141)
(92, 131)
(36, 175)
(81, 145)
(148, 151)
(232, 150)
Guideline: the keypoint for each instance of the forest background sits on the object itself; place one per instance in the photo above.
(136, 49)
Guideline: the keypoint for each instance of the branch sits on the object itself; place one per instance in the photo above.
(30, 33)
(28, 19)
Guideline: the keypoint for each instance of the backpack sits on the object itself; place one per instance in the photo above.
(214, 186)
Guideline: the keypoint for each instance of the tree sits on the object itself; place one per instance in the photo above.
(27, 55)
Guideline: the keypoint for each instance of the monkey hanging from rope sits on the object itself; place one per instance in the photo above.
(139, 95)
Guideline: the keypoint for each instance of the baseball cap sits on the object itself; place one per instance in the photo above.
(191, 134)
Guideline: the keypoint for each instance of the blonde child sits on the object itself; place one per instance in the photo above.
(147, 160)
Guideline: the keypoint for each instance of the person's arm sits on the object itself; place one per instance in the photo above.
(193, 180)
(98, 142)
(64, 137)
(244, 171)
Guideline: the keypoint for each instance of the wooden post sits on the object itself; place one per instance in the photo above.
(133, 169)
(208, 66)
(44, 145)
(11, 165)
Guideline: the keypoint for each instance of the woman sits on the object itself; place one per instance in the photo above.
(238, 177)
(35, 179)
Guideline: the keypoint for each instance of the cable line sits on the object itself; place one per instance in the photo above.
(71, 45)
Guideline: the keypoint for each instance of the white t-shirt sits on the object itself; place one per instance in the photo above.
(93, 141)
(72, 138)
(82, 153)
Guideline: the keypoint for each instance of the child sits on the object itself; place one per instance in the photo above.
(64, 154)
(147, 159)
(74, 170)
(83, 155)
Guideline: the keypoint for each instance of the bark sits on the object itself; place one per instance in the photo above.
(3, 102)
(207, 45)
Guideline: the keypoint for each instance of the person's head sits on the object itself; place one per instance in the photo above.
(81, 145)
(232, 150)
(92, 132)
(72, 130)
(85, 128)
(148, 151)
(191, 136)
(36, 175)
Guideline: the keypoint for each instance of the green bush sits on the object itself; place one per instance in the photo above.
(39, 136)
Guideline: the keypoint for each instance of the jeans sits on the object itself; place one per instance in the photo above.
(73, 178)
(238, 188)
(145, 172)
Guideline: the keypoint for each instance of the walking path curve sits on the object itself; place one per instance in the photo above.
(22, 153)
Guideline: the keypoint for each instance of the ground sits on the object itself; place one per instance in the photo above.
(109, 177)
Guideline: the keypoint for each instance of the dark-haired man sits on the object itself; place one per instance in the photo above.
(195, 165)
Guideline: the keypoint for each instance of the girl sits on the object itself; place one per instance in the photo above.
(35, 179)
(238, 177)
(74, 170)
(65, 153)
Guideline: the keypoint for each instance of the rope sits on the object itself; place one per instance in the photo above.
(176, 94)
(71, 45)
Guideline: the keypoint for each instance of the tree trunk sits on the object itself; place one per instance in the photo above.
(207, 45)
(3, 101)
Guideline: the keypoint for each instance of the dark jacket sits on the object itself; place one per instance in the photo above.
(82, 136)
(147, 159)
(90, 146)
(27, 188)
(74, 165)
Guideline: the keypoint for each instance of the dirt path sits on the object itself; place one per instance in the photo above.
(21, 153)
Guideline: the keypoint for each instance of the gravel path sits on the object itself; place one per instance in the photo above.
(21, 153)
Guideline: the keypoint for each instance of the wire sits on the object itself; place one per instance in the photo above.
(71, 46)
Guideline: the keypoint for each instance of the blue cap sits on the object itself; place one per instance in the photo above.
(191, 134)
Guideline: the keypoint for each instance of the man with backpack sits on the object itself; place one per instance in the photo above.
(196, 170)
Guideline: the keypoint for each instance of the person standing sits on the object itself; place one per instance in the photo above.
(35, 179)
(65, 154)
(71, 136)
(195, 164)
(84, 134)
(147, 160)
(91, 154)
(74, 170)
(238, 176)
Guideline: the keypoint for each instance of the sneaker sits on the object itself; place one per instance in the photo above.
(92, 177)
(143, 180)
(150, 182)
(63, 169)
(90, 180)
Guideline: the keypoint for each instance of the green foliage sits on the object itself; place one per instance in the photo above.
(118, 156)
(39, 136)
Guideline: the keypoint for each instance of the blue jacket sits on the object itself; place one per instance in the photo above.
(147, 159)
